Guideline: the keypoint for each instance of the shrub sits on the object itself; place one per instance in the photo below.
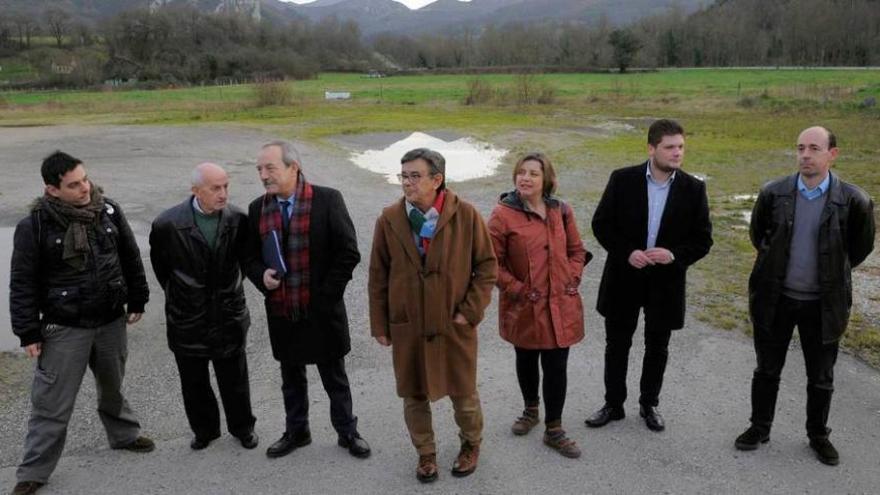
(479, 92)
(272, 93)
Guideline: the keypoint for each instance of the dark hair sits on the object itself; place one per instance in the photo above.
(436, 162)
(832, 139)
(661, 128)
(549, 185)
(56, 165)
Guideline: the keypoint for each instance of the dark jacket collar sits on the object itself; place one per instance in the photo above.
(512, 199)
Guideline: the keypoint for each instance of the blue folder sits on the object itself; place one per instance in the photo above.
(273, 254)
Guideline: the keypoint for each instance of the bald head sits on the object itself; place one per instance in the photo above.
(816, 152)
(210, 186)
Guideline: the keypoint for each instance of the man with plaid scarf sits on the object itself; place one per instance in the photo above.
(312, 250)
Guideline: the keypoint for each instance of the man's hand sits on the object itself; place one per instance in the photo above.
(269, 279)
(460, 319)
(639, 259)
(134, 318)
(34, 350)
(659, 255)
(383, 340)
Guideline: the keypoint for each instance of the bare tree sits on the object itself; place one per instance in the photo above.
(58, 23)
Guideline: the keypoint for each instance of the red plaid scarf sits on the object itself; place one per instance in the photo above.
(292, 298)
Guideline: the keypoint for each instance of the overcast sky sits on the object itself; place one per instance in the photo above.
(413, 4)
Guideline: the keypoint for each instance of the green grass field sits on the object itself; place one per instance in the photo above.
(742, 126)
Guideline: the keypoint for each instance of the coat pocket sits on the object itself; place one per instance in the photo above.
(64, 303)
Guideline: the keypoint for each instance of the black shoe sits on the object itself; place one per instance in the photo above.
(751, 439)
(356, 445)
(652, 418)
(288, 442)
(200, 443)
(825, 451)
(249, 441)
(26, 487)
(605, 415)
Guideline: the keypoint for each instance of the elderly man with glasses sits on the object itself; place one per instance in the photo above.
(432, 269)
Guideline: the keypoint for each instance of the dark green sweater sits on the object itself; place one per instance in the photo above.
(208, 225)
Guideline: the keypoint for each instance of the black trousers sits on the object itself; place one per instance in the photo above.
(819, 358)
(554, 362)
(295, 387)
(618, 341)
(201, 404)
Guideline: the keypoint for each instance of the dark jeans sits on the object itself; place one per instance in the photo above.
(819, 358)
(554, 362)
(200, 402)
(294, 386)
(618, 340)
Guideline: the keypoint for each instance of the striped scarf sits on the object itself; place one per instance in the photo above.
(291, 299)
(424, 225)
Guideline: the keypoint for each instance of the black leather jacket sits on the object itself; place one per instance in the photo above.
(205, 307)
(846, 238)
(45, 289)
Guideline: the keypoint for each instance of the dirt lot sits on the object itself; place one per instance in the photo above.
(705, 398)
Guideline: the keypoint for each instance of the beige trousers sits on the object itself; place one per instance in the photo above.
(468, 417)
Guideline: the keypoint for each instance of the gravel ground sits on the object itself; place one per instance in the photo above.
(705, 399)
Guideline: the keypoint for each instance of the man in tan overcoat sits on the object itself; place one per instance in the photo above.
(432, 269)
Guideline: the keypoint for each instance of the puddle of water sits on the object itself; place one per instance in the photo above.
(8, 340)
(745, 197)
(466, 158)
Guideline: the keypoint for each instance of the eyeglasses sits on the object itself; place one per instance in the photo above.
(412, 178)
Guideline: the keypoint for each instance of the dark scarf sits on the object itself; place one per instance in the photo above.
(291, 300)
(81, 224)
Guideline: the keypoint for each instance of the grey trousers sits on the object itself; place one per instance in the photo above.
(57, 377)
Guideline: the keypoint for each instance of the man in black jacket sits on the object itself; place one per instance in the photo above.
(196, 248)
(76, 271)
(653, 220)
(810, 230)
(311, 250)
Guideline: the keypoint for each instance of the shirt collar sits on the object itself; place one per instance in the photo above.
(279, 199)
(651, 177)
(821, 189)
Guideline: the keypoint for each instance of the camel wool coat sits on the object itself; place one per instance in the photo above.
(413, 302)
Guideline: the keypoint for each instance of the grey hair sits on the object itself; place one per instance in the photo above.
(197, 178)
(289, 154)
(436, 162)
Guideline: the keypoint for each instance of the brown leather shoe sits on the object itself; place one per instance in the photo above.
(140, 445)
(26, 487)
(426, 472)
(466, 462)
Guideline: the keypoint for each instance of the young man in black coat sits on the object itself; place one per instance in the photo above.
(310, 251)
(196, 249)
(76, 281)
(653, 220)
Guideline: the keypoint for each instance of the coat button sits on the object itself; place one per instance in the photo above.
(64, 293)
(58, 241)
(547, 246)
(109, 230)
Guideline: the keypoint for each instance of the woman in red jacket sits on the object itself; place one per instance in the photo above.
(540, 260)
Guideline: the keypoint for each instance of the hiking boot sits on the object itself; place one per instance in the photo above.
(140, 445)
(26, 487)
(426, 471)
(825, 451)
(751, 439)
(555, 439)
(528, 420)
(466, 462)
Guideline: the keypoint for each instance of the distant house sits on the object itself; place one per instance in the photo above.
(375, 74)
(64, 68)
